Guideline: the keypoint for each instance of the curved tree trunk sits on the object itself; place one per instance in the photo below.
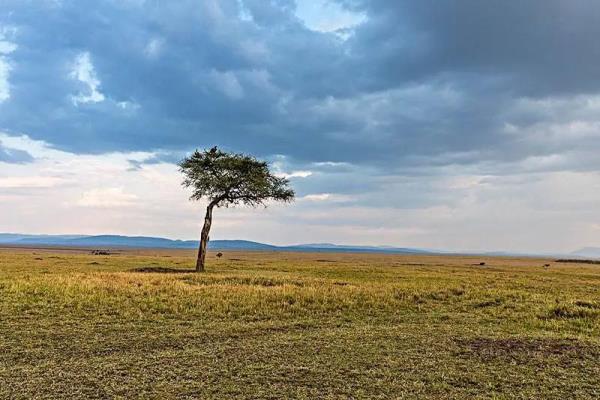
(204, 238)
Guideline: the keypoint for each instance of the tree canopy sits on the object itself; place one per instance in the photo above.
(230, 179)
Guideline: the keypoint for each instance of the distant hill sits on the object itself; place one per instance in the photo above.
(589, 252)
(108, 241)
(124, 241)
(154, 242)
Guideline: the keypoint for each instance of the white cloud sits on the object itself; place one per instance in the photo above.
(107, 197)
(294, 174)
(14, 182)
(61, 192)
(331, 164)
(327, 197)
(4, 84)
(327, 16)
(317, 197)
(464, 182)
(244, 12)
(128, 105)
(280, 165)
(83, 71)
(6, 47)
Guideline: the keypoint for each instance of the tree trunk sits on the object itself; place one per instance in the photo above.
(204, 238)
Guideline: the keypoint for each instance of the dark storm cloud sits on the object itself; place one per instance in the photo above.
(420, 84)
(544, 46)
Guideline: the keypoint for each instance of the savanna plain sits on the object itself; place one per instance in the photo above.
(259, 325)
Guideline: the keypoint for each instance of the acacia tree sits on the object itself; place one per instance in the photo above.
(227, 179)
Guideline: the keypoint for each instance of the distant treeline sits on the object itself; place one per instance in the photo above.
(574, 260)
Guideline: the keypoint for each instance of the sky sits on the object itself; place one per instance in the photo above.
(462, 125)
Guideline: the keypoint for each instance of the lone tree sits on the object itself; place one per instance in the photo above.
(226, 179)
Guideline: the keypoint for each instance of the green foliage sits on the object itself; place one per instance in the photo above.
(229, 179)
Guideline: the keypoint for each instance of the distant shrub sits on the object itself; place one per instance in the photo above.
(578, 261)
(101, 252)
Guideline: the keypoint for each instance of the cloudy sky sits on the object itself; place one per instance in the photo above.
(458, 124)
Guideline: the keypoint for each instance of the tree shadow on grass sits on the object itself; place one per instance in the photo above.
(162, 270)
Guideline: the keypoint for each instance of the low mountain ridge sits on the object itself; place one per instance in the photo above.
(589, 252)
(155, 242)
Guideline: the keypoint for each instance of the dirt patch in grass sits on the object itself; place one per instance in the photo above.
(525, 351)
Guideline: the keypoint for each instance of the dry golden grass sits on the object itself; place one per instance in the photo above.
(295, 325)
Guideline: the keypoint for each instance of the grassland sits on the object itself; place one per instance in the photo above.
(290, 325)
